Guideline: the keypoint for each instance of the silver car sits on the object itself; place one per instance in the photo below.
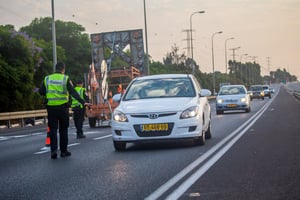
(232, 97)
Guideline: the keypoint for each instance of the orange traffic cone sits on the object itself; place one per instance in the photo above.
(48, 137)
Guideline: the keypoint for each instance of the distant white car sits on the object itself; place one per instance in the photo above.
(233, 97)
(267, 91)
(161, 107)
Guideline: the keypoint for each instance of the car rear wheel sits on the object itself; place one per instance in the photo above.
(120, 146)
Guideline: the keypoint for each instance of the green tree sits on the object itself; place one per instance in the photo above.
(18, 58)
(69, 36)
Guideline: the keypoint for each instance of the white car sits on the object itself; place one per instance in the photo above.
(161, 107)
(233, 97)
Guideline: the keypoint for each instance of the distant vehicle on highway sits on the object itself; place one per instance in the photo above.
(272, 90)
(257, 92)
(232, 97)
(267, 91)
(161, 107)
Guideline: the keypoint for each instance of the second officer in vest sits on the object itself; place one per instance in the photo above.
(78, 109)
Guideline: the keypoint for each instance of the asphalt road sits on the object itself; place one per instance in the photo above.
(263, 164)
(250, 156)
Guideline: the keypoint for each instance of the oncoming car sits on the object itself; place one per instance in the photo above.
(161, 107)
(232, 97)
(267, 91)
(257, 92)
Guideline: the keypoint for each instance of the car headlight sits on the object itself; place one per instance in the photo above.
(219, 100)
(189, 113)
(243, 99)
(119, 116)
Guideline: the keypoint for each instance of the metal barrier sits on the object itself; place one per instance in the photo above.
(297, 95)
(22, 116)
(25, 117)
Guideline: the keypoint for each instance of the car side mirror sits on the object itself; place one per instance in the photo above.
(117, 97)
(205, 93)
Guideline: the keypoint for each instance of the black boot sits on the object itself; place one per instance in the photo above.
(80, 135)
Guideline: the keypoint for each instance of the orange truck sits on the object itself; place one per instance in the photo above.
(105, 80)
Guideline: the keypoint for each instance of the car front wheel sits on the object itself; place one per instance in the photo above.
(208, 132)
(200, 140)
(120, 146)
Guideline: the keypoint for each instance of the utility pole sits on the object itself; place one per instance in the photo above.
(233, 52)
(268, 61)
(188, 39)
(233, 59)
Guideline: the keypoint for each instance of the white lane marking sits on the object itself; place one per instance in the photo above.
(4, 138)
(195, 176)
(165, 187)
(102, 137)
(47, 149)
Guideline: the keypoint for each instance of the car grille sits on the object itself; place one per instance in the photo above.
(153, 133)
(231, 100)
(149, 115)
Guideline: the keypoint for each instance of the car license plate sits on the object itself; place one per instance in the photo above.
(231, 105)
(155, 127)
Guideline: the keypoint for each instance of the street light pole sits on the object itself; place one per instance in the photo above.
(226, 63)
(146, 38)
(53, 37)
(191, 31)
(213, 60)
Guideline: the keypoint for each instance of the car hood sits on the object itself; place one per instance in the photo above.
(157, 105)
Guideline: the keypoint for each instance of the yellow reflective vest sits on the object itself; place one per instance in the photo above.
(56, 89)
(75, 102)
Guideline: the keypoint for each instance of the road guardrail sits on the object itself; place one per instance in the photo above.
(23, 117)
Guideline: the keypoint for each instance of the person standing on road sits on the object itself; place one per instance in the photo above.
(56, 88)
(78, 109)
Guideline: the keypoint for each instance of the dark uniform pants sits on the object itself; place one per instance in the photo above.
(58, 117)
(78, 116)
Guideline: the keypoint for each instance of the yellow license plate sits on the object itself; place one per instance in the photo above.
(155, 127)
(231, 105)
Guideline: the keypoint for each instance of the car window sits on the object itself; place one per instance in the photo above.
(232, 90)
(265, 87)
(160, 88)
(256, 88)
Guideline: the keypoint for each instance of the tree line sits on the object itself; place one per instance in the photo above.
(26, 57)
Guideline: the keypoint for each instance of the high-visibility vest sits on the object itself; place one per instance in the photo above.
(75, 102)
(56, 89)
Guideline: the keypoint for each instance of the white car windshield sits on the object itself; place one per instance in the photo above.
(232, 90)
(160, 88)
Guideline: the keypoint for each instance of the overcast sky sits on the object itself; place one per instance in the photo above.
(261, 28)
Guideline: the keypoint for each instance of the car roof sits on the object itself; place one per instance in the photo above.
(161, 76)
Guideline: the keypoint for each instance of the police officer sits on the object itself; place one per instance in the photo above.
(56, 88)
(78, 109)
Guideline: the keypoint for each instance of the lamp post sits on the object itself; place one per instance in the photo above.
(146, 38)
(226, 63)
(191, 31)
(213, 59)
(53, 37)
